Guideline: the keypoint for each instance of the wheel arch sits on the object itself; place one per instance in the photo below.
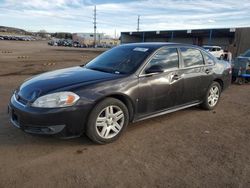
(123, 98)
(220, 81)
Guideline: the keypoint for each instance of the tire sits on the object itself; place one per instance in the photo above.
(107, 121)
(240, 81)
(209, 102)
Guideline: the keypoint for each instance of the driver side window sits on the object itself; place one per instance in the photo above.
(167, 58)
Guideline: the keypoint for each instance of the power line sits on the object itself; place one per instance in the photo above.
(95, 26)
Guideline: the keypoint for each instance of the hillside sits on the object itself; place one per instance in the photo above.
(13, 30)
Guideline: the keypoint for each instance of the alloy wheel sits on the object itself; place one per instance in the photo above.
(109, 122)
(213, 96)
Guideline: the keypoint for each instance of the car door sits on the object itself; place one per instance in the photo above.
(191, 73)
(207, 74)
(159, 91)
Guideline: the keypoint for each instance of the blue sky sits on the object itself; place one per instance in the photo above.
(77, 15)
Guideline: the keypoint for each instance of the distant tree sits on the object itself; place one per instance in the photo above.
(42, 33)
(68, 36)
(62, 35)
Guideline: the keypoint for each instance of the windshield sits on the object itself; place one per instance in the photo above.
(246, 54)
(120, 60)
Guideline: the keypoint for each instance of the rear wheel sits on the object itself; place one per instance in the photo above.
(107, 121)
(240, 80)
(212, 97)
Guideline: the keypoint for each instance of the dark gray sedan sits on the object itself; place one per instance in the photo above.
(128, 83)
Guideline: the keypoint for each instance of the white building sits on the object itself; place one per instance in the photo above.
(87, 38)
(101, 39)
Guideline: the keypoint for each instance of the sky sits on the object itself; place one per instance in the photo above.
(114, 16)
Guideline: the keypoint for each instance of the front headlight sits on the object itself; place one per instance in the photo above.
(55, 100)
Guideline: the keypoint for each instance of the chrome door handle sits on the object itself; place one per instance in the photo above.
(176, 77)
(208, 71)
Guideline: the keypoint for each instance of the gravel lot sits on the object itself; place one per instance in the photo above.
(189, 148)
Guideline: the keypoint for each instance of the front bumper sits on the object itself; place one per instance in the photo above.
(65, 122)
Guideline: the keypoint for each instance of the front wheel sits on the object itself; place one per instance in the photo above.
(107, 121)
(212, 97)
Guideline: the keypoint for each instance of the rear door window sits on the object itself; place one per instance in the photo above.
(167, 58)
(208, 59)
(191, 57)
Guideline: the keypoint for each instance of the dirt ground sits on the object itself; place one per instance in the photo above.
(189, 148)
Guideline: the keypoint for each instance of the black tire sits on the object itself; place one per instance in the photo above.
(240, 81)
(205, 105)
(91, 128)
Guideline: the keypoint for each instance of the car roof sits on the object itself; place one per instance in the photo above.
(157, 45)
(211, 46)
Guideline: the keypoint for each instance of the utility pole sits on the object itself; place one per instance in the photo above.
(95, 26)
(138, 23)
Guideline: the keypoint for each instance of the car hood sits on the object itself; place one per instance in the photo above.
(59, 79)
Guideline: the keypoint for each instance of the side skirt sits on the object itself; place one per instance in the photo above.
(167, 111)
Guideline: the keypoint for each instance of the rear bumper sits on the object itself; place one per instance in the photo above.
(65, 122)
(227, 81)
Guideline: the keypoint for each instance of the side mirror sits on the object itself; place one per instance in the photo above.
(154, 69)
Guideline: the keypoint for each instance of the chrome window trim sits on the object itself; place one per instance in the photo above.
(166, 71)
(209, 55)
(193, 66)
(151, 57)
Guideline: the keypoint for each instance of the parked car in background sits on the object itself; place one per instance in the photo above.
(17, 38)
(77, 44)
(125, 84)
(60, 42)
(217, 51)
(68, 43)
(65, 42)
(53, 42)
(241, 68)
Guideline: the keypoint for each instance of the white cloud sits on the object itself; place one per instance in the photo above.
(77, 15)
